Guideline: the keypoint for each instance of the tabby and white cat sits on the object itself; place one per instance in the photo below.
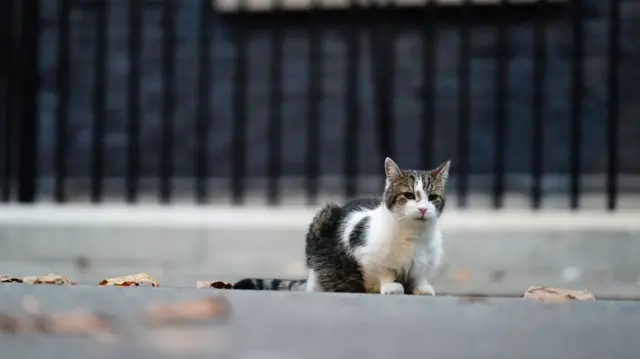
(389, 245)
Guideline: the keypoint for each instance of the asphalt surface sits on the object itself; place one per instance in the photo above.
(308, 326)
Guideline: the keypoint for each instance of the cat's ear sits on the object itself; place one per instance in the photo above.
(391, 169)
(442, 172)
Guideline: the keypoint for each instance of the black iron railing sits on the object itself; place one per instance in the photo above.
(19, 92)
(21, 135)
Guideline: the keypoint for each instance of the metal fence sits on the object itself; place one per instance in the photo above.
(21, 35)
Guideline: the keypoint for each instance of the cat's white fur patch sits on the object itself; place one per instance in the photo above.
(392, 288)
(312, 283)
(394, 246)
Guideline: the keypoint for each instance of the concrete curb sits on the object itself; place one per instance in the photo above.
(297, 217)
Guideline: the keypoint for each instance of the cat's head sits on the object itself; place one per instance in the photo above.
(415, 195)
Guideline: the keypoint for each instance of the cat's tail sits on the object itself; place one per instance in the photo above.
(325, 225)
(322, 229)
(270, 284)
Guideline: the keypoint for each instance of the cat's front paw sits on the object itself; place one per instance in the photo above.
(426, 289)
(392, 288)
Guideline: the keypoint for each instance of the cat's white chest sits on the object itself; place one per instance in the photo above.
(404, 252)
(427, 256)
(401, 251)
(394, 252)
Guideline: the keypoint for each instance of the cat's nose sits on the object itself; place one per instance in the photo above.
(422, 210)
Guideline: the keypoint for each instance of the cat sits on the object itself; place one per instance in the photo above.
(387, 245)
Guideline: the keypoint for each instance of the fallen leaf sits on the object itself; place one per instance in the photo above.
(188, 310)
(7, 279)
(51, 278)
(73, 322)
(557, 294)
(214, 284)
(472, 298)
(9, 324)
(128, 280)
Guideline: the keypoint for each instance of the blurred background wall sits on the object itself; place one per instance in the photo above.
(387, 49)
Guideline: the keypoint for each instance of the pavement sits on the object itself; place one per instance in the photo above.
(493, 252)
(301, 325)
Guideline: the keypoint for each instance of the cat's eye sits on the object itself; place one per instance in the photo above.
(433, 197)
(409, 195)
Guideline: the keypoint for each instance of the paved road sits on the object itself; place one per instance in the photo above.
(305, 326)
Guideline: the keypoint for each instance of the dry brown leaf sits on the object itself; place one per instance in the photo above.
(73, 322)
(128, 280)
(557, 294)
(51, 278)
(214, 284)
(189, 309)
(473, 298)
(7, 279)
(9, 324)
